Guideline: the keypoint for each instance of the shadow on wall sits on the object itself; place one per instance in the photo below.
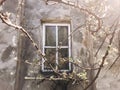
(52, 85)
(6, 53)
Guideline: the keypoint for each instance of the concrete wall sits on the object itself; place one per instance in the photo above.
(35, 12)
(8, 47)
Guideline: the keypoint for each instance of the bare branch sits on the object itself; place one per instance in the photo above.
(114, 61)
(84, 68)
(105, 55)
(2, 1)
(86, 11)
(6, 20)
(101, 45)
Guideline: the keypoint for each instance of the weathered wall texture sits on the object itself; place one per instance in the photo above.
(8, 44)
(35, 13)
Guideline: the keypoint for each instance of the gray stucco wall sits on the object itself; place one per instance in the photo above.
(35, 12)
(8, 47)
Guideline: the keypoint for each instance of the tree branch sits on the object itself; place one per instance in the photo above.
(2, 1)
(105, 55)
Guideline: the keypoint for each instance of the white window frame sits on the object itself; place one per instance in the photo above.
(69, 45)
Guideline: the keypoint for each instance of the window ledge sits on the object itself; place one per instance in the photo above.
(42, 78)
(55, 20)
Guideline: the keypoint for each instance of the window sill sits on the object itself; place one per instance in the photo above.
(42, 78)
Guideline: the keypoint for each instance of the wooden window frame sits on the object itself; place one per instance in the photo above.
(68, 46)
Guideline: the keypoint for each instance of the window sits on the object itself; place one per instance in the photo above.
(56, 47)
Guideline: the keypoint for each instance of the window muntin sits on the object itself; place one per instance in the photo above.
(56, 47)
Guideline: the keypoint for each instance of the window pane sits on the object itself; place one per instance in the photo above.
(50, 36)
(51, 58)
(63, 35)
(63, 59)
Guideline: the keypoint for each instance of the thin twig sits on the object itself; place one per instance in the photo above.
(84, 10)
(88, 12)
(70, 35)
(114, 62)
(84, 68)
(104, 57)
(101, 45)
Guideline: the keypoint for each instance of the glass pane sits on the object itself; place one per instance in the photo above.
(63, 59)
(63, 35)
(50, 36)
(51, 58)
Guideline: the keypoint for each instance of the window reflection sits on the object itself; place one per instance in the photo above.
(63, 35)
(51, 58)
(50, 36)
(63, 59)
